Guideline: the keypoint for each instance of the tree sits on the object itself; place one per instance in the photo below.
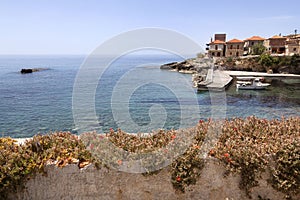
(200, 55)
(258, 49)
(266, 60)
(295, 60)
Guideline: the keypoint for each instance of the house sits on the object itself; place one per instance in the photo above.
(234, 48)
(217, 47)
(276, 44)
(292, 44)
(250, 42)
(285, 45)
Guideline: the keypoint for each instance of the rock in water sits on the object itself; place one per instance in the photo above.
(26, 71)
(30, 70)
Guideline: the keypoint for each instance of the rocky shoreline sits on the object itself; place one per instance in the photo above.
(191, 65)
(277, 64)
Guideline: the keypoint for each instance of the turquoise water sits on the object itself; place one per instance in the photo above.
(42, 101)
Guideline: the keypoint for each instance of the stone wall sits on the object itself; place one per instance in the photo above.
(71, 182)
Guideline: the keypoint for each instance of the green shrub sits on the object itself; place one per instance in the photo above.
(266, 60)
(229, 59)
(258, 49)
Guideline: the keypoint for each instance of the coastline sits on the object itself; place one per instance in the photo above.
(239, 65)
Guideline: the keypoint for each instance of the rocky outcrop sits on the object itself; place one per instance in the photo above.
(194, 65)
(26, 71)
(170, 66)
(179, 66)
(30, 70)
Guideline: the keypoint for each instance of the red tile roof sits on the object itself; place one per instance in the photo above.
(217, 42)
(255, 38)
(277, 37)
(235, 41)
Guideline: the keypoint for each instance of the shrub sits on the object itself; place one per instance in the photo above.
(258, 49)
(229, 59)
(200, 55)
(266, 60)
(244, 146)
(286, 173)
(20, 162)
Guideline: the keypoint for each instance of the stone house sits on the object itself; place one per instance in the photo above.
(216, 48)
(292, 44)
(276, 44)
(234, 48)
(250, 42)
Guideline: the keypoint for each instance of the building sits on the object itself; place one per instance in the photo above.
(292, 44)
(234, 48)
(217, 47)
(250, 42)
(276, 44)
(220, 36)
(285, 45)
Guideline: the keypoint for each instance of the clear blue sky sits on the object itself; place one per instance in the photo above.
(78, 27)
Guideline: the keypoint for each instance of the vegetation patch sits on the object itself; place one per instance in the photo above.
(245, 146)
(20, 162)
(263, 63)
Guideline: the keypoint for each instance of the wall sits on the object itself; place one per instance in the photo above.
(219, 47)
(89, 183)
(277, 42)
(236, 48)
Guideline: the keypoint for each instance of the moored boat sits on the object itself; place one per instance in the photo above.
(251, 83)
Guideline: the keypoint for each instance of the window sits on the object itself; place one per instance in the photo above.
(252, 43)
(230, 46)
(238, 46)
(295, 49)
(216, 47)
(231, 53)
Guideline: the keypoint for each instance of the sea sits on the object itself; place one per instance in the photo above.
(130, 92)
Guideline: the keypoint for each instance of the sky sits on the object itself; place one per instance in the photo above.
(78, 27)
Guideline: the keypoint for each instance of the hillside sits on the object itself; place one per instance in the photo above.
(262, 63)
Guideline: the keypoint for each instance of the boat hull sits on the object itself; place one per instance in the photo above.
(252, 87)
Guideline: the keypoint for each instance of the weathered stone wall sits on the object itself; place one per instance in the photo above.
(71, 182)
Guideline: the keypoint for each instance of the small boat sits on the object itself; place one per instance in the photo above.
(251, 83)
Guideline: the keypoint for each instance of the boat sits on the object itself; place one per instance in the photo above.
(251, 83)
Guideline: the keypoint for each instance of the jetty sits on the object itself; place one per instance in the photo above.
(260, 74)
(216, 80)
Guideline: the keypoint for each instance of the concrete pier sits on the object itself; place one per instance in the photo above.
(259, 74)
(216, 80)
